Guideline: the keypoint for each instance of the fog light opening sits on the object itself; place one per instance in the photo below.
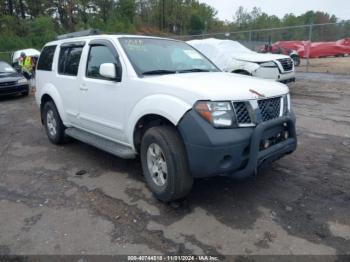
(226, 161)
(267, 144)
(285, 135)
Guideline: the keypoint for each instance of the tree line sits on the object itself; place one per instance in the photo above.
(31, 23)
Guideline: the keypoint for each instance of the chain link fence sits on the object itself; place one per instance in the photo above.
(338, 61)
(274, 40)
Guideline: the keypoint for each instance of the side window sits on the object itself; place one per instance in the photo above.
(69, 59)
(46, 58)
(98, 55)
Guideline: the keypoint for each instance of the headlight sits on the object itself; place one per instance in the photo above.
(268, 64)
(22, 81)
(219, 114)
(286, 104)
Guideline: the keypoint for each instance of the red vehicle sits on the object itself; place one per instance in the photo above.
(315, 49)
(276, 49)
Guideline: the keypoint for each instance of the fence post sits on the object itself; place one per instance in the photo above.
(309, 48)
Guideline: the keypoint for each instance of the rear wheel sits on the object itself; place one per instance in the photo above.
(164, 163)
(53, 123)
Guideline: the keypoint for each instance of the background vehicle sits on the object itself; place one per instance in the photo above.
(163, 100)
(231, 56)
(12, 82)
(277, 49)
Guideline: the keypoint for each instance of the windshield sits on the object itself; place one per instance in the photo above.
(150, 56)
(6, 68)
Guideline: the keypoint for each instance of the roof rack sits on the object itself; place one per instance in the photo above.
(88, 32)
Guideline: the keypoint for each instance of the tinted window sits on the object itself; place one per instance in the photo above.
(46, 58)
(68, 62)
(98, 55)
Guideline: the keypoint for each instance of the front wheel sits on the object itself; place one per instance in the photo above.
(296, 60)
(164, 163)
(53, 123)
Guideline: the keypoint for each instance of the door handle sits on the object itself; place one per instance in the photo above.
(83, 87)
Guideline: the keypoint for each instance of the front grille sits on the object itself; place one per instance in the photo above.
(286, 63)
(242, 113)
(8, 83)
(12, 89)
(270, 108)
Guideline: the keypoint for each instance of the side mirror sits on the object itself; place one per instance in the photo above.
(108, 70)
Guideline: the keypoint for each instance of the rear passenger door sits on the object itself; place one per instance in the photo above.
(101, 99)
(67, 78)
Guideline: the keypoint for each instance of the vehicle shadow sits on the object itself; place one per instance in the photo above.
(11, 97)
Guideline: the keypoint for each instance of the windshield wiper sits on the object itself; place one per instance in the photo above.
(159, 72)
(194, 70)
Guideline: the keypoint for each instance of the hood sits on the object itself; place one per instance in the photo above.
(9, 77)
(215, 86)
(257, 57)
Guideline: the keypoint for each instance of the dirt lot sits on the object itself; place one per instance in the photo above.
(300, 205)
(335, 65)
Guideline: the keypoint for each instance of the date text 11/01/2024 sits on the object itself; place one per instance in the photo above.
(173, 258)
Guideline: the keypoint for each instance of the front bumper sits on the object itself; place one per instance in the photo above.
(286, 81)
(233, 152)
(13, 89)
(274, 73)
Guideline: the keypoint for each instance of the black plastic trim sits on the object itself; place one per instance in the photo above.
(73, 44)
(234, 152)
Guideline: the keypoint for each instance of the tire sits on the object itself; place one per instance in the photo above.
(296, 60)
(178, 179)
(25, 93)
(53, 124)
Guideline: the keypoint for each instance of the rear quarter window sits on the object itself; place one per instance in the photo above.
(46, 58)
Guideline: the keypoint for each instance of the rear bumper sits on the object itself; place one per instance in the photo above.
(15, 89)
(233, 152)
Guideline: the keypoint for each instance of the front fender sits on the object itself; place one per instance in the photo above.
(50, 90)
(237, 65)
(169, 107)
(250, 67)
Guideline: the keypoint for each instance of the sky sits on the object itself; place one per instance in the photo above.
(227, 8)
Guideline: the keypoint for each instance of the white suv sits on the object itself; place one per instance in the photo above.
(163, 100)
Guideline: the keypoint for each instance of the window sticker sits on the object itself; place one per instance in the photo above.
(135, 42)
(193, 54)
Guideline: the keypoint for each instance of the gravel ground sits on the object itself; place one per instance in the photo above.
(335, 65)
(76, 199)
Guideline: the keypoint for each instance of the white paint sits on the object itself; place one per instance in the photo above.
(112, 109)
(231, 56)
